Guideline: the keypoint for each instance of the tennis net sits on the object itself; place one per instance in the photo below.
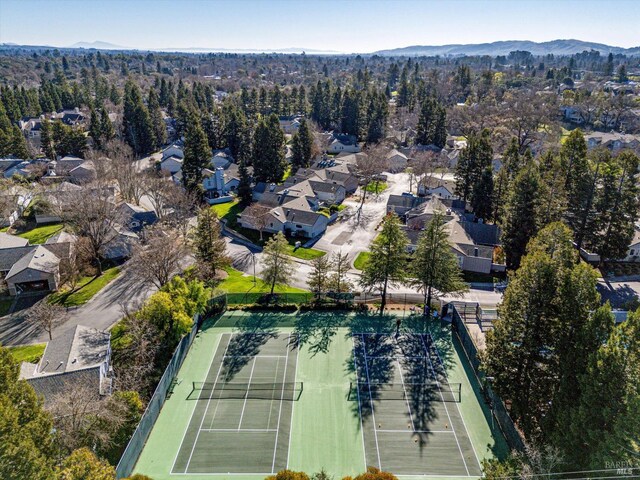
(240, 390)
(427, 392)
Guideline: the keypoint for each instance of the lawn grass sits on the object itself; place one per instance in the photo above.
(238, 282)
(41, 234)
(361, 259)
(302, 252)
(226, 210)
(85, 290)
(376, 187)
(27, 353)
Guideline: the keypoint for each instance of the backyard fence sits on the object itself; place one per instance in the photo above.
(461, 314)
(138, 439)
(345, 299)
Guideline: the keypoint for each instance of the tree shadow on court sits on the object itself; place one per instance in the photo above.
(372, 364)
(255, 330)
(422, 392)
(317, 329)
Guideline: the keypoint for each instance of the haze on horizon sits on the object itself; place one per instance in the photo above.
(326, 25)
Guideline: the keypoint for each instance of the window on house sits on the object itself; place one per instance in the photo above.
(633, 252)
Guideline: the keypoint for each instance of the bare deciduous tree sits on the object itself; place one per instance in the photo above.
(183, 206)
(91, 213)
(47, 316)
(155, 188)
(123, 170)
(369, 168)
(159, 258)
(258, 216)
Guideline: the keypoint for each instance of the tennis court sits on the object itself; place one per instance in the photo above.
(259, 392)
(409, 410)
(242, 417)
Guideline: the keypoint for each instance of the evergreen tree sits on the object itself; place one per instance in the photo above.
(520, 222)
(434, 265)
(236, 132)
(46, 140)
(95, 129)
(548, 304)
(302, 146)
(350, 119)
(616, 206)
(28, 448)
(197, 154)
(605, 419)
(269, 162)
(245, 193)
(159, 127)
(474, 158)
(19, 146)
(107, 129)
(387, 265)
(482, 195)
(319, 276)
(209, 247)
(340, 265)
(608, 67)
(137, 124)
(278, 265)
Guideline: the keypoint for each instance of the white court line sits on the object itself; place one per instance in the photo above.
(196, 403)
(373, 412)
(355, 364)
(295, 376)
(252, 356)
(246, 394)
(275, 447)
(457, 406)
(274, 380)
(207, 407)
(238, 431)
(406, 397)
(445, 406)
(413, 431)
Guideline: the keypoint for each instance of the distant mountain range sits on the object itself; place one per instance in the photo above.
(110, 46)
(554, 47)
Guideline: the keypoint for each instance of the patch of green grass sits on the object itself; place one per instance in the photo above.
(41, 234)
(361, 259)
(27, 353)
(376, 187)
(238, 282)
(86, 288)
(305, 253)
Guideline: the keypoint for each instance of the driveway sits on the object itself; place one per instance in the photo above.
(101, 312)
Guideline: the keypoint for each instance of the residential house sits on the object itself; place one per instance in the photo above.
(78, 358)
(31, 127)
(401, 204)
(290, 124)
(221, 159)
(16, 198)
(33, 268)
(614, 141)
(343, 143)
(83, 173)
(396, 161)
(633, 252)
(135, 217)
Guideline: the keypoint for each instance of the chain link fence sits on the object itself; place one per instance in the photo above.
(138, 439)
(460, 315)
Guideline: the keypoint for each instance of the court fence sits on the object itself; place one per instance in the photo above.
(499, 411)
(318, 300)
(163, 389)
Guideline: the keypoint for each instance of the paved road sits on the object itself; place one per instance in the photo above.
(101, 312)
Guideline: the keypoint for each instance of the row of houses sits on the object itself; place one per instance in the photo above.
(474, 243)
(294, 207)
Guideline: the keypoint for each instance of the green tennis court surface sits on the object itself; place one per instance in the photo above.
(260, 392)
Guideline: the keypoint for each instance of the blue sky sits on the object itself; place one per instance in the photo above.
(346, 26)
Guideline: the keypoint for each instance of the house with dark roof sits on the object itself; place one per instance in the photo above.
(136, 217)
(343, 143)
(79, 357)
(401, 204)
(33, 267)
